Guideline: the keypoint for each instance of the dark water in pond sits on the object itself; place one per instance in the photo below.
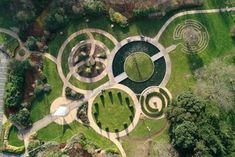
(129, 48)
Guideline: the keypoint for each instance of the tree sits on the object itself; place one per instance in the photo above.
(55, 20)
(216, 82)
(94, 7)
(185, 135)
(22, 118)
(199, 128)
(31, 43)
(118, 18)
(15, 84)
(25, 16)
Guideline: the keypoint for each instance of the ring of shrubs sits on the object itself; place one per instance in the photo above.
(150, 111)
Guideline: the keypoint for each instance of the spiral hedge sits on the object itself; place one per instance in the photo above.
(148, 110)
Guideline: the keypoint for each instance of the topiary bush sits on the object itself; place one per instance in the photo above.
(118, 18)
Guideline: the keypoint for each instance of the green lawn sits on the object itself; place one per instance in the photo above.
(41, 106)
(107, 42)
(10, 43)
(138, 147)
(67, 51)
(61, 134)
(184, 65)
(139, 67)
(148, 127)
(88, 86)
(13, 138)
(113, 111)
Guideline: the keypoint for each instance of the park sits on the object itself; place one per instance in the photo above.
(105, 86)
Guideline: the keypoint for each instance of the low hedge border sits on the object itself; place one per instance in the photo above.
(6, 147)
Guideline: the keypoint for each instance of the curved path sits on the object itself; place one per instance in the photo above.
(14, 35)
(87, 31)
(209, 11)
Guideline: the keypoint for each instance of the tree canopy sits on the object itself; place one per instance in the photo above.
(198, 128)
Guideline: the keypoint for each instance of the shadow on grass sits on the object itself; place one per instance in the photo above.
(65, 128)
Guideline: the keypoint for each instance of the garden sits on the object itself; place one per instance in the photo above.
(115, 72)
(117, 105)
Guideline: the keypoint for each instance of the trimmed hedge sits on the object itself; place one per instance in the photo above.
(148, 110)
(5, 146)
(162, 91)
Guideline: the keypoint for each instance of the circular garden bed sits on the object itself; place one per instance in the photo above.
(139, 67)
(113, 110)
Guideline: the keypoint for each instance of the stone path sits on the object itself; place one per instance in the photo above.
(3, 78)
(121, 77)
(14, 35)
(115, 136)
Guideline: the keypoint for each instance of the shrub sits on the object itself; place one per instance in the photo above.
(31, 43)
(94, 7)
(70, 94)
(118, 18)
(22, 119)
(15, 84)
(142, 12)
(55, 20)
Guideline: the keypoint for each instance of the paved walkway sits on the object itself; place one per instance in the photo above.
(61, 50)
(121, 77)
(3, 78)
(115, 136)
(14, 35)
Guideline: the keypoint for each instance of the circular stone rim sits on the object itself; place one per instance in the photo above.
(142, 53)
(136, 117)
(119, 90)
(145, 39)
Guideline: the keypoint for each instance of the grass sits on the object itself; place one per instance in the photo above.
(10, 43)
(139, 67)
(142, 130)
(67, 51)
(138, 147)
(61, 134)
(13, 138)
(41, 106)
(107, 42)
(112, 110)
(184, 65)
(88, 86)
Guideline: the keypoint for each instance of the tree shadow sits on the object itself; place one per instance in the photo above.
(194, 61)
(102, 100)
(120, 97)
(97, 108)
(111, 96)
(65, 128)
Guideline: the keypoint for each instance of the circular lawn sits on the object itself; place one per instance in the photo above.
(139, 67)
(113, 110)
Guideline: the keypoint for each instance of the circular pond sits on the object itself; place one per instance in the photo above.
(154, 73)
